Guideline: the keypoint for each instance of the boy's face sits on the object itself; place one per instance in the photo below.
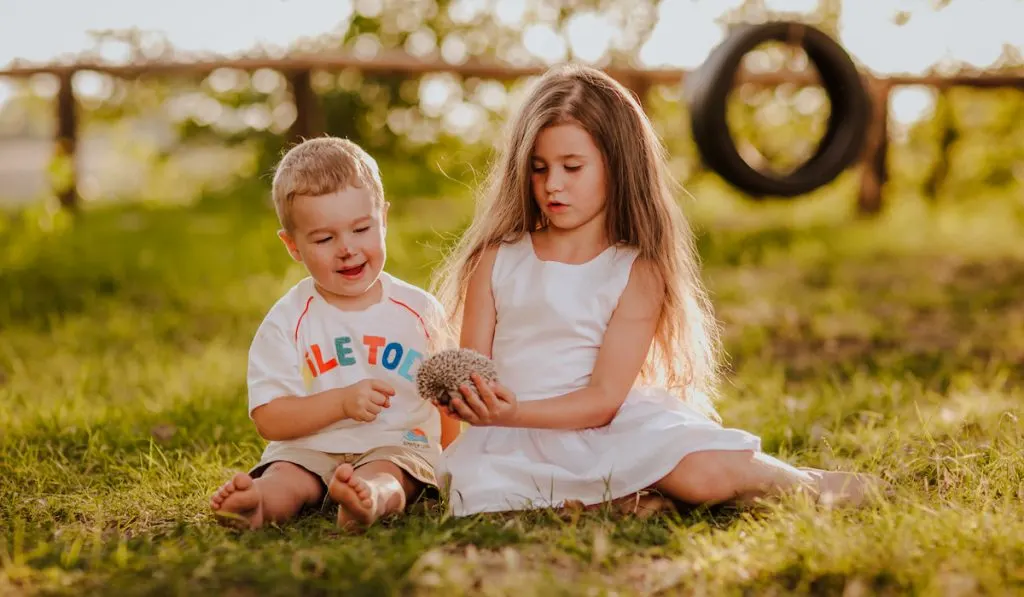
(339, 237)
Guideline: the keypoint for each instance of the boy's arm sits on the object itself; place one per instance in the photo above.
(291, 417)
(278, 403)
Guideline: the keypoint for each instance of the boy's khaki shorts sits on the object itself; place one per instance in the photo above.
(322, 464)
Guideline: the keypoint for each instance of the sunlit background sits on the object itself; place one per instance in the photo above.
(885, 37)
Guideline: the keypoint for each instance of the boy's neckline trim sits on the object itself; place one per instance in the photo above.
(385, 297)
(533, 251)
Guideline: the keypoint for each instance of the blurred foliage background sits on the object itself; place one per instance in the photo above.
(892, 344)
(170, 139)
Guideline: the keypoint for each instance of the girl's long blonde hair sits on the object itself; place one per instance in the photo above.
(641, 212)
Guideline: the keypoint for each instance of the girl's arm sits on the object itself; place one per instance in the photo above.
(624, 348)
(479, 317)
(479, 314)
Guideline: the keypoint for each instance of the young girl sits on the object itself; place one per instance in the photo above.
(579, 278)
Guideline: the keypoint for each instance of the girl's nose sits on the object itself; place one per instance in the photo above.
(554, 182)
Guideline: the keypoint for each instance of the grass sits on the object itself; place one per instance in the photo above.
(893, 345)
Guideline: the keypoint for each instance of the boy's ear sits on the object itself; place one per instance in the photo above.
(289, 243)
(384, 214)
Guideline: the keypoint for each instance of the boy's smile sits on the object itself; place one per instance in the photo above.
(340, 239)
(353, 273)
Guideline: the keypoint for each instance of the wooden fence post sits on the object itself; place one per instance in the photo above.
(64, 170)
(873, 164)
(933, 185)
(641, 87)
(308, 122)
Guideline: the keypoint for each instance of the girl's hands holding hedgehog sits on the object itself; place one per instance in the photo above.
(489, 404)
(447, 379)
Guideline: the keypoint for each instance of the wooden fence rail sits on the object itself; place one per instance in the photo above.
(298, 68)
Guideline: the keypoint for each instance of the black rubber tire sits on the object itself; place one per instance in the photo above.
(707, 91)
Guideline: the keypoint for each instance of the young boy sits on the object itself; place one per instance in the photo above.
(331, 368)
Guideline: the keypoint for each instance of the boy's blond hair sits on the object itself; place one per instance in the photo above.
(321, 166)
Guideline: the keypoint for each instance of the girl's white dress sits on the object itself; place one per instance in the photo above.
(551, 318)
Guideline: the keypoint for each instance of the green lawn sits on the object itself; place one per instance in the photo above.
(893, 345)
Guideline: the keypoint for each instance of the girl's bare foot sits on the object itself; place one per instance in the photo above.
(362, 501)
(238, 503)
(642, 505)
(652, 504)
(838, 488)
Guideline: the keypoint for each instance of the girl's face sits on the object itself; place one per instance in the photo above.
(568, 177)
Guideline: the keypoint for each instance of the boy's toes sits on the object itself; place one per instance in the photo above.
(354, 498)
(222, 493)
(343, 474)
(241, 482)
(239, 503)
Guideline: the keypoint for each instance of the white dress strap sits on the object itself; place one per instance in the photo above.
(622, 261)
(509, 255)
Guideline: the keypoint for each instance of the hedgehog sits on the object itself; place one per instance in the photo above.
(446, 370)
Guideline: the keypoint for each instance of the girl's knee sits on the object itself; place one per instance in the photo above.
(709, 477)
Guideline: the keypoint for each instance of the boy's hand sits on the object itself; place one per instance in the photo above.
(363, 400)
(492, 404)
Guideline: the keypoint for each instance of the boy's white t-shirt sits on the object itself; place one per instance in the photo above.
(305, 345)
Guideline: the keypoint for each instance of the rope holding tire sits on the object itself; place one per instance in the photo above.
(708, 88)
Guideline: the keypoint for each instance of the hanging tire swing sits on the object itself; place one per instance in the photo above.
(708, 88)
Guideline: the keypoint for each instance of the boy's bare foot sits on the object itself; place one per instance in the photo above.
(238, 503)
(362, 501)
(838, 488)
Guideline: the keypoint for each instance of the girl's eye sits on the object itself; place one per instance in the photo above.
(362, 229)
(539, 169)
(322, 240)
(573, 168)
